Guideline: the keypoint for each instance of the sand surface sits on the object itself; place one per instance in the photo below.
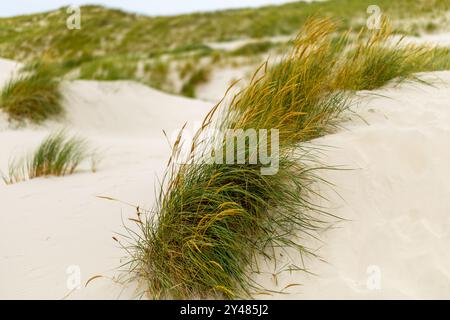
(394, 244)
(441, 39)
(50, 227)
(395, 241)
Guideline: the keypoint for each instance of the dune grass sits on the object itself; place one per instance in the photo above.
(213, 221)
(57, 155)
(376, 59)
(33, 95)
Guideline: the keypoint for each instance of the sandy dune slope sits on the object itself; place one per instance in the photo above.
(395, 197)
(394, 244)
(52, 228)
(441, 39)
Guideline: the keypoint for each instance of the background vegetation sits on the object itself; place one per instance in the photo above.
(114, 45)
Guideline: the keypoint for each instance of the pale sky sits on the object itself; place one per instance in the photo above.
(149, 7)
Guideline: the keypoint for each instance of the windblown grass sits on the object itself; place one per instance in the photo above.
(213, 221)
(377, 59)
(57, 155)
(34, 95)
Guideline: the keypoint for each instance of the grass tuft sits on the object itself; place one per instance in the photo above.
(376, 59)
(57, 155)
(33, 95)
(213, 221)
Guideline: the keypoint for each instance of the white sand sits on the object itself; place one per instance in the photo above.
(221, 80)
(441, 39)
(8, 68)
(48, 225)
(396, 197)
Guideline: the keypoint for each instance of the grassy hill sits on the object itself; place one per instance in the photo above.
(113, 44)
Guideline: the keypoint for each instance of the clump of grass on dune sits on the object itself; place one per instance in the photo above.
(213, 221)
(295, 95)
(376, 59)
(33, 95)
(57, 155)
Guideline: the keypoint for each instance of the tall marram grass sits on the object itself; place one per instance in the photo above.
(213, 221)
(374, 59)
(57, 155)
(33, 95)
